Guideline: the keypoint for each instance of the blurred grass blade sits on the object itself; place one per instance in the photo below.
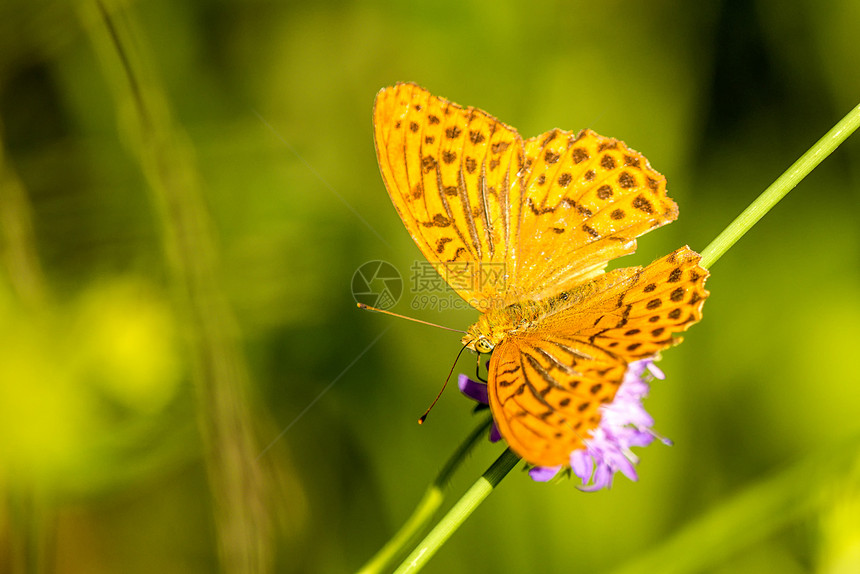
(17, 241)
(749, 517)
(427, 506)
(166, 158)
(25, 514)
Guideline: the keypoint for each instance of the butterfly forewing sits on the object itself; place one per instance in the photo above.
(449, 172)
(546, 384)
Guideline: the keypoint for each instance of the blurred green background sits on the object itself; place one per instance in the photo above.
(186, 384)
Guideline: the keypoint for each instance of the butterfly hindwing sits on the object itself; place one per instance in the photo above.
(666, 298)
(547, 384)
(545, 394)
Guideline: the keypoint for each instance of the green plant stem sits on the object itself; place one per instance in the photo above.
(459, 513)
(779, 188)
(427, 506)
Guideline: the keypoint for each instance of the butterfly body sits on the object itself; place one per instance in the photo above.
(496, 325)
(523, 230)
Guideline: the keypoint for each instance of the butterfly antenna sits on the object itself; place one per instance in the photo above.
(445, 384)
(369, 308)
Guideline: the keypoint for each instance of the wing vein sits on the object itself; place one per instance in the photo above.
(556, 361)
(482, 188)
(549, 379)
(467, 207)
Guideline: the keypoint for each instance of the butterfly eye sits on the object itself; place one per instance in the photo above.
(482, 345)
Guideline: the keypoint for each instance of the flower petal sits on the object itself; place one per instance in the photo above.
(473, 389)
(582, 464)
(495, 435)
(624, 424)
(544, 473)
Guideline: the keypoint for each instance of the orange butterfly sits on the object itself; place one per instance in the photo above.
(536, 221)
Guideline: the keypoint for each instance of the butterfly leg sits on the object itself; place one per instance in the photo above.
(478, 370)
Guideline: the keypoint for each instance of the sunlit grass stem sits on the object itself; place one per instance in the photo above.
(427, 506)
(779, 188)
(458, 514)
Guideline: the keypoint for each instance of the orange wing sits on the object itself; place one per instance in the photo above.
(546, 385)
(546, 214)
(449, 172)
(586, 198)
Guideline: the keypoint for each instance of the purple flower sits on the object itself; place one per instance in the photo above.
(478, 392)
(624, 424)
